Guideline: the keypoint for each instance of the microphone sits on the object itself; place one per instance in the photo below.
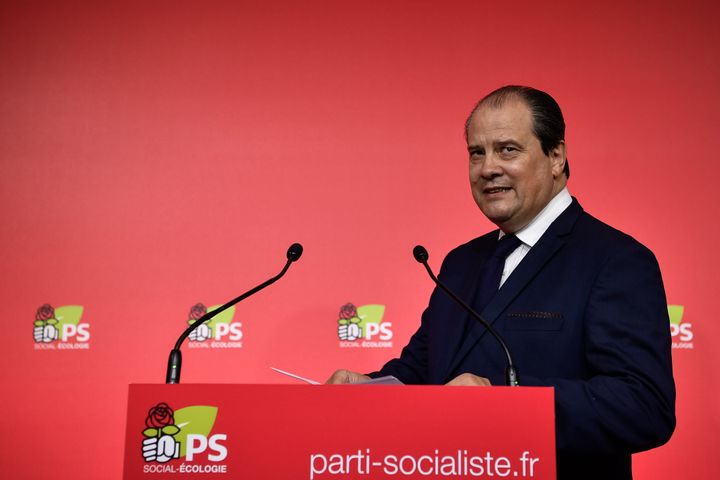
(511, 376)
(175, 360)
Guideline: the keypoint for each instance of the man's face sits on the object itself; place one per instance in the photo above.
(511, 178)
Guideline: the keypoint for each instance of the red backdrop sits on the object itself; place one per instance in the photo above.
(160, 154)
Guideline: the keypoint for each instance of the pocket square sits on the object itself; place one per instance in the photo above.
(534, 320)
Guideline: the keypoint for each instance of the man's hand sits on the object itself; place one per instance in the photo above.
(469, 380)
(346, 376)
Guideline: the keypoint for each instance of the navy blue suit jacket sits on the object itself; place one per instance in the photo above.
(584, 312)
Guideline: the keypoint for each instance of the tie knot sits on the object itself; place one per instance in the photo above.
(506, 245)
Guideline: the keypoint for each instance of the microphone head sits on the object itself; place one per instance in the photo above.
(420, 254)
(294, 252)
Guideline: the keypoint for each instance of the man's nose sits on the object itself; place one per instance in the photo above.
(490, 167)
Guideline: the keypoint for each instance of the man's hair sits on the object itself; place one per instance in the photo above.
(548, 122)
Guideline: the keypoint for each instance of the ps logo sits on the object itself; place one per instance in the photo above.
(200, 443)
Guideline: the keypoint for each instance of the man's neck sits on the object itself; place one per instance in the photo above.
(532, 232)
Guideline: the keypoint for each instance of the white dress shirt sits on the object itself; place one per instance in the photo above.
(531, 233)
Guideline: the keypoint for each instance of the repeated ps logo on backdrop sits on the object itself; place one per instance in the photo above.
(680, 329)
(60, 328)
(219, 332)
(357, 327)
(363, 327)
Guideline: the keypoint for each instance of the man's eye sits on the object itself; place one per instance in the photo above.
(508, 149)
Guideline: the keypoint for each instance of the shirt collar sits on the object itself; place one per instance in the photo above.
(532, 232)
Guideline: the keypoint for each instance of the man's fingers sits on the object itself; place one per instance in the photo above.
(338, 377)
(346, 376)
(469, 380)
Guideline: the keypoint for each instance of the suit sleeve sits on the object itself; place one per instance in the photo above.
(628, 401)
(413, 367)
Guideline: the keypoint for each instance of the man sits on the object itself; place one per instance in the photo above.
(580, 304)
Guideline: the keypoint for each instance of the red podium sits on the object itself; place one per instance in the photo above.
(340, 432)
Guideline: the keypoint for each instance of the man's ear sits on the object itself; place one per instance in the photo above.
(558, 157)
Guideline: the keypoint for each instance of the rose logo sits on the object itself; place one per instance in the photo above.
(45, 312)
(160, 416)
(197, 311)
(45, 325)
(202, 332)
(160, 444)
(348, 311)
(348, 323)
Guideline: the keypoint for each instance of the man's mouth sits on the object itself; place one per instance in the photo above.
(491, 190)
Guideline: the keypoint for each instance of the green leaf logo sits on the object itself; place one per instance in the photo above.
(224, 317)
(198, 419)
(370, 314)
(68, 315)
(675, 312)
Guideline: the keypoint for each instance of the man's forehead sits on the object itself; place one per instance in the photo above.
(511, 117)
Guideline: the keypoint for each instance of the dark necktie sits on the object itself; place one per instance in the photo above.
(492, 273)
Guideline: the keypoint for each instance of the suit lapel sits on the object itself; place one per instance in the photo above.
(460, 321)
(550, 242)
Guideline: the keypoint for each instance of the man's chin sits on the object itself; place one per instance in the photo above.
(498, 218)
